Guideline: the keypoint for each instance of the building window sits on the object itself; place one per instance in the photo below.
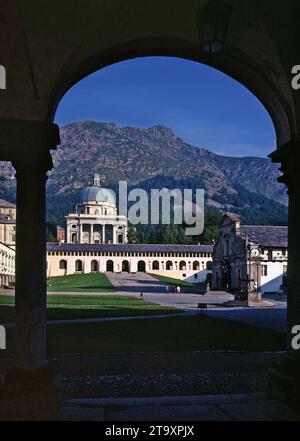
(155, 265)
(63, 264)
(94, 266)
(78, 265)
(264, 270)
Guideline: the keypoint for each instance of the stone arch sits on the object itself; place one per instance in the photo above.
(78, 265)
(196, 266)
(169, 265)
(209, 265)
(155, 265)
(94, 266)
(63, 264)
(176, 41)
(182, 265)
(110, 266)
(141, 266)
(125, 266)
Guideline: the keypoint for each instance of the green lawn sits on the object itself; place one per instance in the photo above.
(172, 281)
(85, 306)
(94, 282)
(165, 334)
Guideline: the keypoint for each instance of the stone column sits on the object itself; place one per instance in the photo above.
(92, 233)
(30, 266)
(80, 233)
(103, 233)
(289, 157)
(27, 145)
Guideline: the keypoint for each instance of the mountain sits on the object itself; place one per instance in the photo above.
(154, 158)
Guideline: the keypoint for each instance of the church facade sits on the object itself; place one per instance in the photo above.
(95, 219)
(250, 259)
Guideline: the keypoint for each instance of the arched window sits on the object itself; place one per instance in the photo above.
(125, 266)
(120, 238)
(169, 265)
(141, 266)
(74, 237)
(196, 266)
(78, 265)
(110, 266)
(63, 264)
(94, 266)
(209, 265)
(182, 266)
(155, 265)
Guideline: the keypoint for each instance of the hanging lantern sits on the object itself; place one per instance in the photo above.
(213, 21)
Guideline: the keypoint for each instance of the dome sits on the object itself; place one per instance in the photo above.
(97, 194)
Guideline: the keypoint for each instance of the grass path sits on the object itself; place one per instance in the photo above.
(94, 282)
(85, 306)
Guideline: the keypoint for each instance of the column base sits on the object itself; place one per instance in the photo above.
(284, 382)
(30, 395)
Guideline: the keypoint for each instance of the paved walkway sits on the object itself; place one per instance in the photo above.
(155, 291)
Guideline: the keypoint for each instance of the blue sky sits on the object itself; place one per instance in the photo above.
(200, 104)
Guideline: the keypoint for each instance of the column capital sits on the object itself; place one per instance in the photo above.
(289, 156)
(28, 143)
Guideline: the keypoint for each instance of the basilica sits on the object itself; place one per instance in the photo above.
(96, 219)
(95, 240)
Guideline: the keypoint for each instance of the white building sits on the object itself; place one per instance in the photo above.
(250, 258)
(96, 219)
(7, 265)
(96, 239)
(186, 262)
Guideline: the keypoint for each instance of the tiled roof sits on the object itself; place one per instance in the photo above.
(269, 236)
(138, 248)
(6, 204)
(232, 216)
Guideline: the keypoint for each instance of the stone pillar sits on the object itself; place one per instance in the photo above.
(30, 266)
(80, 233)
(27, 146)
(92, 234)
(288, 373)
(103, 233)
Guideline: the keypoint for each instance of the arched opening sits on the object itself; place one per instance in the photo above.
(74, 237)
(94, 266)
(169, 265)
(78, 266)
(155, 265)
(196, 266)
(141, 266)
(182, 265)
(120, 238)
(125, 266)
(209, 265)
(63, 264)
(110, 266)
